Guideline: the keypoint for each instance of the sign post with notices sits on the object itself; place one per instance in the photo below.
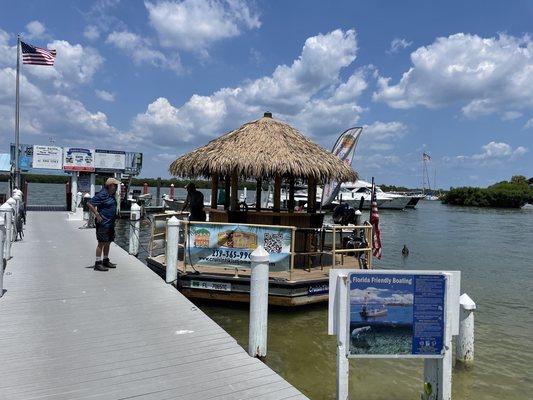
(47, 157)
(78, 159)
(395, 314)
(110, 160)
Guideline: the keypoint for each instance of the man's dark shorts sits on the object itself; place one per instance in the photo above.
(105, 233)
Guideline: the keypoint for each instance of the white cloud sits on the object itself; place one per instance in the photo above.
(398, 44)
(141, 51)
(91, 32)
(379, 130)
(309, 94)
(511, 115)
(529, 124)
(105, 95)
(194, 25)
(494, 152)
(485, 74)
(46, 115)
(74, 64)
(35, 29)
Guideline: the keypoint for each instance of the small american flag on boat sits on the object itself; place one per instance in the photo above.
(374, 221)
(37, 56)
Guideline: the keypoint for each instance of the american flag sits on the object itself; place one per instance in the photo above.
(37, 56)
(426, 157)
(374, 221)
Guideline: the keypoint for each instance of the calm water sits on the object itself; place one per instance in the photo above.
(493, 249)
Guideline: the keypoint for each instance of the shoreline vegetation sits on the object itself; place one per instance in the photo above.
(506, 194)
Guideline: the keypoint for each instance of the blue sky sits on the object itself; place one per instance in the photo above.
(453, 79)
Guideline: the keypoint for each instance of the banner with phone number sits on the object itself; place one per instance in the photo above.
(231, 245)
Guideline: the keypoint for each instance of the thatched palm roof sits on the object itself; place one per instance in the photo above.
(261, 149)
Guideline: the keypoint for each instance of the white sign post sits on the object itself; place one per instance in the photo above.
(395, 314)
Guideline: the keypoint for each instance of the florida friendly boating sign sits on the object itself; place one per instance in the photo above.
(396, 314)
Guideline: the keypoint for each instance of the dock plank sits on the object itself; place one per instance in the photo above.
(68, 332)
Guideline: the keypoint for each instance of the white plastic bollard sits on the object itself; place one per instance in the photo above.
(78, 199)
(87, 213)
(18, 201)
(12, 225)
(6, 214)
(171, 250)
(257, 334)
(2, 259)
(74, 190)
(135, 228)
(465, 340)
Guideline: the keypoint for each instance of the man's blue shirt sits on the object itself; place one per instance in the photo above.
(106, 205)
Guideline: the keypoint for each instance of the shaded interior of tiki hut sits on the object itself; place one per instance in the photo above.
(265, 150)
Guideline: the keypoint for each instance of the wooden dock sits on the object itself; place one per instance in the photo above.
(68, 332)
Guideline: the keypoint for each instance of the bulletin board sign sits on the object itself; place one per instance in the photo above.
(397, 314)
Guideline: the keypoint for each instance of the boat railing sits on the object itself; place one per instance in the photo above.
(158, 233)
(310, 248)
(323, 247)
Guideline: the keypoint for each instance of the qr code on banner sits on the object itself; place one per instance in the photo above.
(273, 242)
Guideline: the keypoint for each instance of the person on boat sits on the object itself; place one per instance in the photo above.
(104, 207)
(195, 203)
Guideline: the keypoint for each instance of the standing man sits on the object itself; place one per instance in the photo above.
(104, 207)
(195, 202)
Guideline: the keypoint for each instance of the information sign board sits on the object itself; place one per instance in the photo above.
(47, 157)
(230, 245)
(396, 314)
(78, 159)
(110, 160)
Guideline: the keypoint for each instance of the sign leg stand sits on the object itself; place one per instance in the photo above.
(343, 365)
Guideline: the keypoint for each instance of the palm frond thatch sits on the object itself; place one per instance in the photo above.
(262, 149)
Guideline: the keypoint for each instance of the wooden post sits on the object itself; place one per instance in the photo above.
(277, 192)
(291, 194)
(234, 191)
(227, 190)
(214, 191)
(257, 334)
(258, 183)
(311, 195)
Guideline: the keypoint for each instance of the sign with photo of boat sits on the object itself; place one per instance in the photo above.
(110, 160)
(396, 314)
(78, 159)
(231, 245)
(47, 157)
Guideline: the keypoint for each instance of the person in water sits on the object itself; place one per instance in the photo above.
(195, 203)
(104, 207)
(405, 251)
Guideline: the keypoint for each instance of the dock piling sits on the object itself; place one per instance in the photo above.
(2, 258)
(465, 340)
(135, 228)
(7, 210)
(171, 251)
(257, 335)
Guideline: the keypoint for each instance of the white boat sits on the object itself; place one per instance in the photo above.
(351, 193)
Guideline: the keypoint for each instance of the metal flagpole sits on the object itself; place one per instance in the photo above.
(17, 115)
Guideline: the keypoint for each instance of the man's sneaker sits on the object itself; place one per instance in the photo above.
(99, 266)
(109, 264)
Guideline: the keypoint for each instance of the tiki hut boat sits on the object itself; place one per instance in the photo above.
(264, 150)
